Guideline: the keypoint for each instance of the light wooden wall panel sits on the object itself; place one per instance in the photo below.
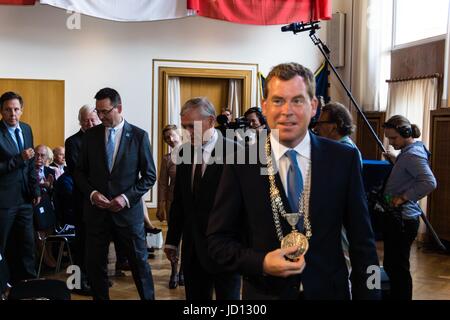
(215, 89)
(43, 107)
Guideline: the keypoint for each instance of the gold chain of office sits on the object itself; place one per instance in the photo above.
(275, 196)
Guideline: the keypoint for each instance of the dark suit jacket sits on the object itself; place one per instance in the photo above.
(73, 148)
(189, 217)
(337, 198)
(16, 175)
(133, 174)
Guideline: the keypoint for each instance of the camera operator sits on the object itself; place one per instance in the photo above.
(256, 123)
(411, 179)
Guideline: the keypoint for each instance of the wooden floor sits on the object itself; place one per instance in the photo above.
(430, 272)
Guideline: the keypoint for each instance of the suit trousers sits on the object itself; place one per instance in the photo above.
(200, 284)
(399, 234)
(252, 290)
(132, 240)
(17, 241)
(80, 230)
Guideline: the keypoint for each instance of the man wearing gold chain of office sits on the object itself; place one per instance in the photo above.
(279, 221)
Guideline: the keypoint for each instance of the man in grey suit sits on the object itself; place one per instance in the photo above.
(19, 189)
(114, 171)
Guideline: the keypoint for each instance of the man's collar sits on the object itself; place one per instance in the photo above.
(303, 148)
(209, 146)
(11, 128)
(119, 126)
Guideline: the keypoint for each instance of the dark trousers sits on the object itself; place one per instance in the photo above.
(80, 231)
(265, 291)
(17, 244)
(399, 234)
(132, 240)
(199, 284)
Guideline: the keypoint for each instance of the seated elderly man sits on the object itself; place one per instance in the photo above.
(44, 215)
(59, 161)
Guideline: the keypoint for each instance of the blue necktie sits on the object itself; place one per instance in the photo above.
(294, 180)
(19, 141)
(110, 147)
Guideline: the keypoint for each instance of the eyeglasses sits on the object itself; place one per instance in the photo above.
(104, 112)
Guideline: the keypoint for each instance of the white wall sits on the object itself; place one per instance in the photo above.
(35, 43)
(337, 93)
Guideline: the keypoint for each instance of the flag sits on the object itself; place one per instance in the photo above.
(263, 12)
(321, 76)
(322, 85)
(18, 2)
(129, 10)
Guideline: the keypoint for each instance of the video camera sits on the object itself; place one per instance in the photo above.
(238, 123)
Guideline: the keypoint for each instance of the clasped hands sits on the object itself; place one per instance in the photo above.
(114, 205)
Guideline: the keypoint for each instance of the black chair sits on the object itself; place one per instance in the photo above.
(40, 289)
(64, 237)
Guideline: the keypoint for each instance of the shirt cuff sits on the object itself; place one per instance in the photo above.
(90, 197)
(169, 246)
(126, 200)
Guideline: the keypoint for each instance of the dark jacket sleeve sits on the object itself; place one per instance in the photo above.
(147, 170)
(71, 154)
(82, 168)
(33, 179)
(176, 212)
(225, 226)
(357, 223)
(11, 164)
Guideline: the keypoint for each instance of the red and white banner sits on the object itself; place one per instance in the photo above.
(263, 12)
(125, 10)
(19, 2)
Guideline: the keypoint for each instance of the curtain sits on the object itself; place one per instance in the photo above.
(235, 96)
(414, 100)
(174, 101)
(371, 59)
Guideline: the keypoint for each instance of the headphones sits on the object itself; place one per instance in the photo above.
(404, 131)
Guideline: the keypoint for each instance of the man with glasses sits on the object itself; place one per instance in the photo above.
(115, 170)
(336, 123)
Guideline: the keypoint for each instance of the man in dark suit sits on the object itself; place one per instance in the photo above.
(88, 118)
(115, 170)
(195, 189)
(306, 174)
(19, 189)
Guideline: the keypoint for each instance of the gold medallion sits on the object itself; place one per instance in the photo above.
(295, 239)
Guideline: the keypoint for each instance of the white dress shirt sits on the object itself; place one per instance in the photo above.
(207, 148)
(117, 137)
(282, 161)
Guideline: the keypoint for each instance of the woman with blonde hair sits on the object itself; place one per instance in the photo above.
(166, 185)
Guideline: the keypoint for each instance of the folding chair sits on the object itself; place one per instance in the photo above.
(63, 237)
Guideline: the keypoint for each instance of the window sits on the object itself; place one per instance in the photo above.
(417, 20)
